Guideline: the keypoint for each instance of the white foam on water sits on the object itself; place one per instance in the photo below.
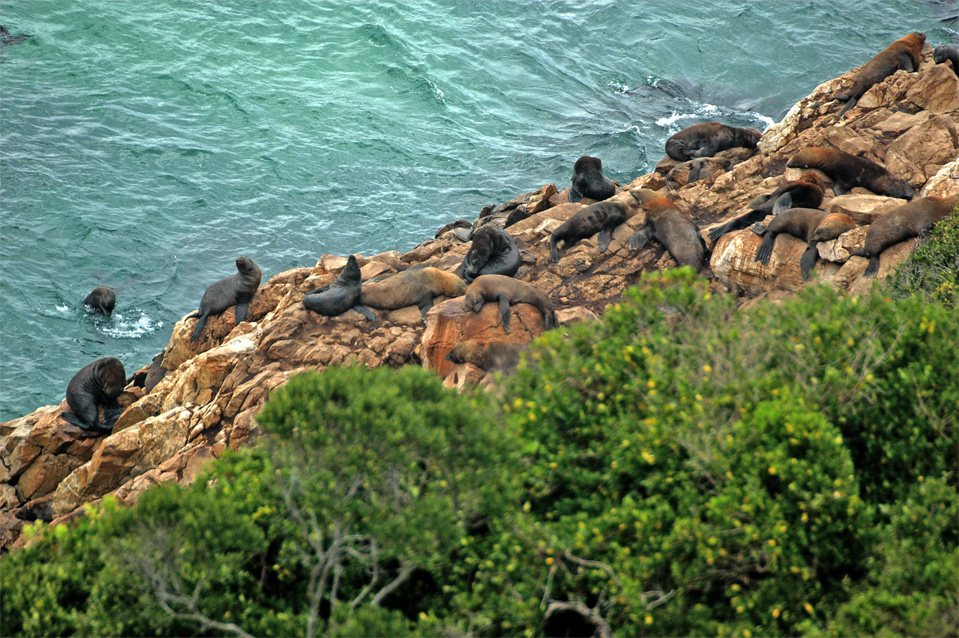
(130, 325)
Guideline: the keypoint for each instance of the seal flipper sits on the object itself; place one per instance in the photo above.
(851, 103)
(694, 170)
(602, 241)
(873, 266)
(505, 313)
(808, 260)
(638, 239)
(366, 312)
(765, 249)
(239, 312)
(784, 202)
(425, 305)
(73, 419)
(199, 327)
(838, 188)
(553, 250)
(575, 195)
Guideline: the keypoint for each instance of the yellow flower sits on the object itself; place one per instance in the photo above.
(776, 612)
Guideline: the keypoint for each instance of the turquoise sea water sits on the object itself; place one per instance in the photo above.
(146, 145)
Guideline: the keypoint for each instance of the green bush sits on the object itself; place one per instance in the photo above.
(933, 268)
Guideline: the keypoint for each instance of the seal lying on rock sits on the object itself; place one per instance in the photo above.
(508, 291)
(99, 383)
(945, 52)
(666, 223)
(589, 181)
(847, 170)
(705, 140)
(341, 295)
(907, 221)
(805, 192)
(493, 252)
(413, 287)
(694, 170)
(601, 217)
(809, 224)
(237, 290)
(904, 53)
(488, 355)
(101, 300)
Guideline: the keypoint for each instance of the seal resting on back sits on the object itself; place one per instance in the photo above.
(601, 217)
(102, 300)
(809, 224)
(667, 224)
(99, 383)
(847, 170)
(907, 221)
(493, 252)
(904, 53)
(341, 295)
(805, 192)
(508, 291)
(413, 287)
(237, 291)
(705, 140)
(589, 181)
(945, 52)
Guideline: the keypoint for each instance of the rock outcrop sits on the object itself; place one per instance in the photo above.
(213, 389)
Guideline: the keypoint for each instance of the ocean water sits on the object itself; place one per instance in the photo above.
(145, 146)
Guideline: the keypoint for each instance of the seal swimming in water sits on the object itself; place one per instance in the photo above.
(341, 295)
(805, 192)
(945, 52)
(601, 217)
(508, 291)
(488, 355)
(904, 53)
(666, 223)
(809, 224)
(847, 170)
(907, 221)
(705, 140)
(589, 181)
(236, 290)
(413, 287)
(6, 39)
(102, 300)
(96, 384)
(493, 252)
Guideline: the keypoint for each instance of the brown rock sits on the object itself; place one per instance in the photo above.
(864, 209)
(931, 143)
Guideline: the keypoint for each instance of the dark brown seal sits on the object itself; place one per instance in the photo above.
(601, 217)
(101, 300)
(907, 221)
(413, 287)
(99, 383)
(237, 290)
(809, 224)
(847, 170)
(156, 372)
(488, 355)
(508, 291)
(805, 192)
(589, 181)
(904, 53)
(493, 252)
(705, 140)
(667, 224)
(341, 295)
(945, 52)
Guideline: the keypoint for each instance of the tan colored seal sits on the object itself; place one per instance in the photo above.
(667, 224)
(904, 53)
(907, 221)
(413, 287)
(508, 291)
(809, 224)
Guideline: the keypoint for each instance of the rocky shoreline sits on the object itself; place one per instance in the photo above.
(213, 388)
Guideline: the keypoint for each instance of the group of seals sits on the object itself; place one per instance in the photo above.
(705, 140)
(904, 53)
(601, 217)
(101, 300)
(493, 252)
(235, 290)
(507, 291)
(666, 223)
(847, 170)
(341, 295)
(907, 221)
(97, 384)
(589, 181)
(805, 192)
(809, 224)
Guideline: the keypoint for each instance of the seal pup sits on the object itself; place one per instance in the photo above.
(705, 140)
(945, 52)
(493, 252)
(601, 217)
(488, 355)
(96, 384)
(101, 300)
(236, 290)
(508, 291)
(666, 223)
(904, 53)
(341, 295)
(907, 221)
(847, 170)
(809, 224)
(805, 192)
(589, 181)
(413, 287)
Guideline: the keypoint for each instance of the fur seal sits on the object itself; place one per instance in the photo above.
(6, 39)
(945, 52)
(601, 217)
(156, 373)
(705, 140)
(341, 295)
(493, 252)
(508, 291)
(488, 355)
(904, 53)
(96, 384)
(101, 300)
(907, 221)
(694, 170)
(236, 290)
(805, 192)
(589, 181)
(667, 223)
(847, 170)
(413, 287)
(809, 224)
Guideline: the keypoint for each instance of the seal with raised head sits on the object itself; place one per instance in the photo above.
(809, 224)
(847, 170)
(413, 287)
(945, 52)
(236, 290)
(488, 355)
(507, 291)
(707, 139)
(907, 221)
(601, 217)
(904, 53)
(341, 295)
(96, 384)
(667, 224)
(589, 181)
(805, 192)
(101, 300)
(493, 252)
